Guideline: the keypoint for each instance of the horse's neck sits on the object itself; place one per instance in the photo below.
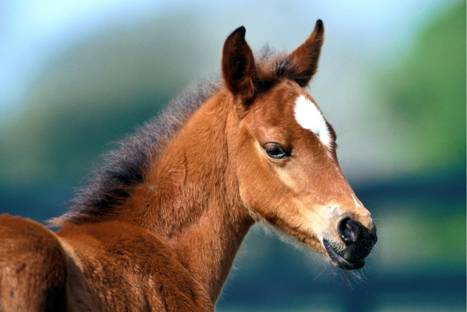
(191, 196)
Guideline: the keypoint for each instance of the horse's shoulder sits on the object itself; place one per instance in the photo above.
(132, 265)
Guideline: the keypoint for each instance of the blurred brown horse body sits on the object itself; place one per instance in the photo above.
(159, 227)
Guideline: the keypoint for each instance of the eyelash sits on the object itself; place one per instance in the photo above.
(275, 150)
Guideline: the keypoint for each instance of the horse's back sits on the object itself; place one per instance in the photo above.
(32, 267)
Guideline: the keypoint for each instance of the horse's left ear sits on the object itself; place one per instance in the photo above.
(238, 65)
(303, 60)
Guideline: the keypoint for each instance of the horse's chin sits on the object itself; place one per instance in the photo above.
(338, 260)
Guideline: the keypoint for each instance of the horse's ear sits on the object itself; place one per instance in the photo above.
(303, 60)
(238, 65)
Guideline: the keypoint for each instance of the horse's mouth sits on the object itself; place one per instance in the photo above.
(338, 260)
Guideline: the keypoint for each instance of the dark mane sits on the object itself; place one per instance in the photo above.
(123, 168)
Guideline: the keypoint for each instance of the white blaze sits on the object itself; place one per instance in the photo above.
(309, 117)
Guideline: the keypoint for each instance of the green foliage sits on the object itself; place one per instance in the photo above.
(96, 92)
(427, 94)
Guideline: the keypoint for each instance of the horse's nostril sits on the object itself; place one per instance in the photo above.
(349, 230)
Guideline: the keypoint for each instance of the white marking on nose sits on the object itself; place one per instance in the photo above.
(356, 201)
(320, 217)
(359, 204)
(309, 117)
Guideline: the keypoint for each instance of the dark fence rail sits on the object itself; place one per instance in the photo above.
(44, 201)
(443, 287)
(446, 186)
(440, 289)
(436, 288)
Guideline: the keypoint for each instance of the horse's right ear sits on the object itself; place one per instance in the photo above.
(238, 65)
(304, 59)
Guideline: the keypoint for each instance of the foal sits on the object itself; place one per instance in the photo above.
(159, 225)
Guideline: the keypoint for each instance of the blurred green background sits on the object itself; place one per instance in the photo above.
(75, 76)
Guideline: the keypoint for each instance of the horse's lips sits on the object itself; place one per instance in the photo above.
(340, 261)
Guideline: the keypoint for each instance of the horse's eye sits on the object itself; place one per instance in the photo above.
(275, 150)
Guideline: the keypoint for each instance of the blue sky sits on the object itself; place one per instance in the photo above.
(31, 31)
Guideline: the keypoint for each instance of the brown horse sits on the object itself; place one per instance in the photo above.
(158, 226)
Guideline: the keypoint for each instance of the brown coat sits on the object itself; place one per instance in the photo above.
(159, 225)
